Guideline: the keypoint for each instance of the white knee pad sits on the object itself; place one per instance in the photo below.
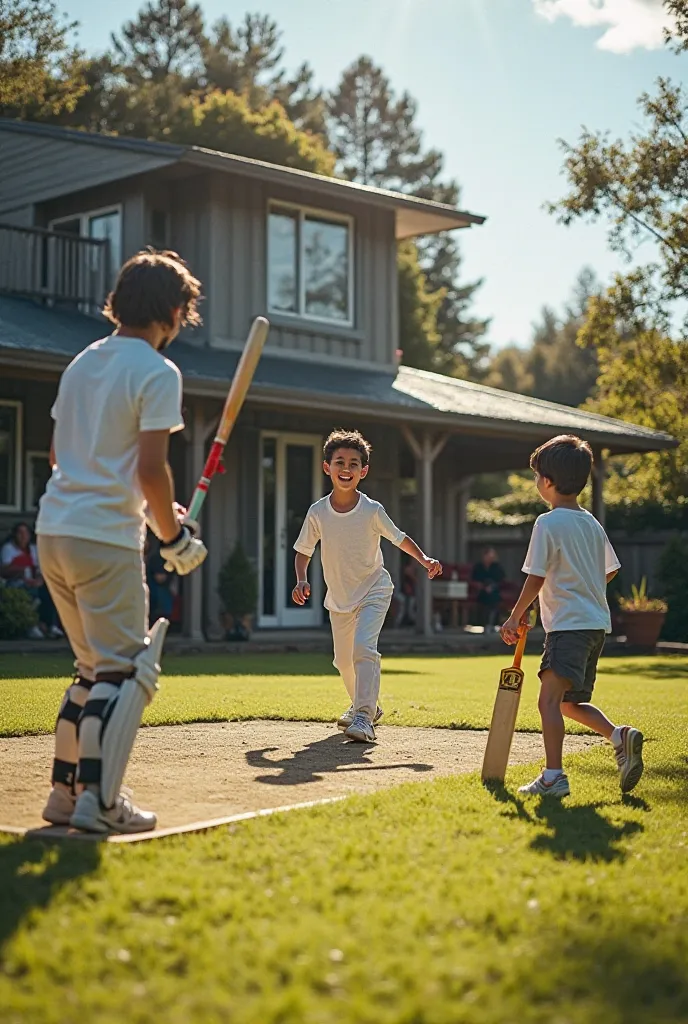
(107, 734)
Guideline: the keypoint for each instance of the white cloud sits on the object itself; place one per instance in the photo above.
(627, 24)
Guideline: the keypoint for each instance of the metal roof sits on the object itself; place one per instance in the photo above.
(34, 337)
(414, 216)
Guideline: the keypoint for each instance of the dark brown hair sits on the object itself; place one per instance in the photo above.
(347, 439)
(566, 461)
(149, 287)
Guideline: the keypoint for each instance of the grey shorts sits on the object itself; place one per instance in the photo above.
(573, 654)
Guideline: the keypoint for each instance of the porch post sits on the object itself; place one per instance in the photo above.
(598, 475)
(425, 452)
(462, 522)
(195, 434)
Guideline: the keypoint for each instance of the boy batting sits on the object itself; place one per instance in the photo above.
(569, 564)
(116, 405)
(349, 526)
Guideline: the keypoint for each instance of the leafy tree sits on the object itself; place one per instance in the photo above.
(643, 378)
(640, 187)
(39, 69)
(418, 308)
(377, 141)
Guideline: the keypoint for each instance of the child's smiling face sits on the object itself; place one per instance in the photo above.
(346, 469)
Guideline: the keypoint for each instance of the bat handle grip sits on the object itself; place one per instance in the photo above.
(520, 647)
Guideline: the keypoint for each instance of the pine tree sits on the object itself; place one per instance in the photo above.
(166, 38)
(377, 141)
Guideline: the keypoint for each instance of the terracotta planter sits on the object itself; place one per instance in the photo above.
(642, 628)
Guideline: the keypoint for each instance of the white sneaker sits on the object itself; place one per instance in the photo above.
(89, 816)
(56, 633)
(35, 633)
(629, 758)
(538, 787)
(361, 729)
(347, 718)
(60, 806)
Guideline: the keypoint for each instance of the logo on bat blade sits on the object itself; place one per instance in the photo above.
(511, 679)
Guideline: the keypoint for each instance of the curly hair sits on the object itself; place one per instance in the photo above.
(149, 287)
(347, 439)
(566, 460)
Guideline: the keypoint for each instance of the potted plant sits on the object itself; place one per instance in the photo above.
(642, 617)
(17, 613)
(238, 591)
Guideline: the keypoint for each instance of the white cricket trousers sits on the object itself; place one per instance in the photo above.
(355, 635)
(101, 596)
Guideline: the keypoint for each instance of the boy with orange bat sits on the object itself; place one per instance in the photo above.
(569, 564)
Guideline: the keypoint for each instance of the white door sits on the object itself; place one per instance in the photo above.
(290, 481)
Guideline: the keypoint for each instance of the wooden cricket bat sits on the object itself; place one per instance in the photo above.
(504, 715)
(241, 382)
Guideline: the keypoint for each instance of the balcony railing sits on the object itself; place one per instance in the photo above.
(54, 266)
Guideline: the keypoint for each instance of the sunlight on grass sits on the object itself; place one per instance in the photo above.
(432, 903)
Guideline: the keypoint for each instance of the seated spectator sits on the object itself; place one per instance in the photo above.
(488, 575)
(161, 599)
(19, 567)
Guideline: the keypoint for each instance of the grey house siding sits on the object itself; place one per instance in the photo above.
(22, 217)
(237, 273)
(36, 168)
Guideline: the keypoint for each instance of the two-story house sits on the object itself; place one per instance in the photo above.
(317, 255)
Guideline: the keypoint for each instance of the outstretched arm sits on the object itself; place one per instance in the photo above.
(431, 565)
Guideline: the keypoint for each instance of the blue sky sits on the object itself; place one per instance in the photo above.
(497, 82)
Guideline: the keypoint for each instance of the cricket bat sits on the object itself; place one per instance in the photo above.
(241, 382)
(504, 715)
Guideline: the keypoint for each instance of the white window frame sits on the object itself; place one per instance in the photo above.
(274, 205)
(85, 216)
(31, 499)
(18, 482)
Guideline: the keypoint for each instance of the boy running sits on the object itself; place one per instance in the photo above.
(116, 405)
(569, 564)
(349, 525)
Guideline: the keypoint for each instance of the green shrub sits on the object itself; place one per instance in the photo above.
(238, 584)
(673, 575)
(17, 613)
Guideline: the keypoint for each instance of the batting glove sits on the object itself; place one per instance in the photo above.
(184, 554)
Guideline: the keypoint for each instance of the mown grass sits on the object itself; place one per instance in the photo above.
(441, 691)
(432, 903)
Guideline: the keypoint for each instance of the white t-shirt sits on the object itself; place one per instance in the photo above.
(11, 553)
(108, 395)
(350, 548)
(571, 550)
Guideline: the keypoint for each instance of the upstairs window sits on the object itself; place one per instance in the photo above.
(310, 265)
(10, 455)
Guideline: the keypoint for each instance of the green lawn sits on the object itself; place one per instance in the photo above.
(446, 691)
(433, 903)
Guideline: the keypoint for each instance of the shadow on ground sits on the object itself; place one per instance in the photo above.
(319, 757)
(33, 873)
(578, 832)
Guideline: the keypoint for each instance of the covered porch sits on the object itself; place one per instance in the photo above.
(430, 436)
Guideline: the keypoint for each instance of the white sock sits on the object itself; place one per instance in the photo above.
(550, 774)
(615, 737)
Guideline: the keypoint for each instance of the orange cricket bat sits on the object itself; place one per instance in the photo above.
(504, 715)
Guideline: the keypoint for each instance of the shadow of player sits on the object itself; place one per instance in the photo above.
(320, 756)
(34, 872)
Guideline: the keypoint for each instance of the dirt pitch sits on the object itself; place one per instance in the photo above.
(198, 775)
